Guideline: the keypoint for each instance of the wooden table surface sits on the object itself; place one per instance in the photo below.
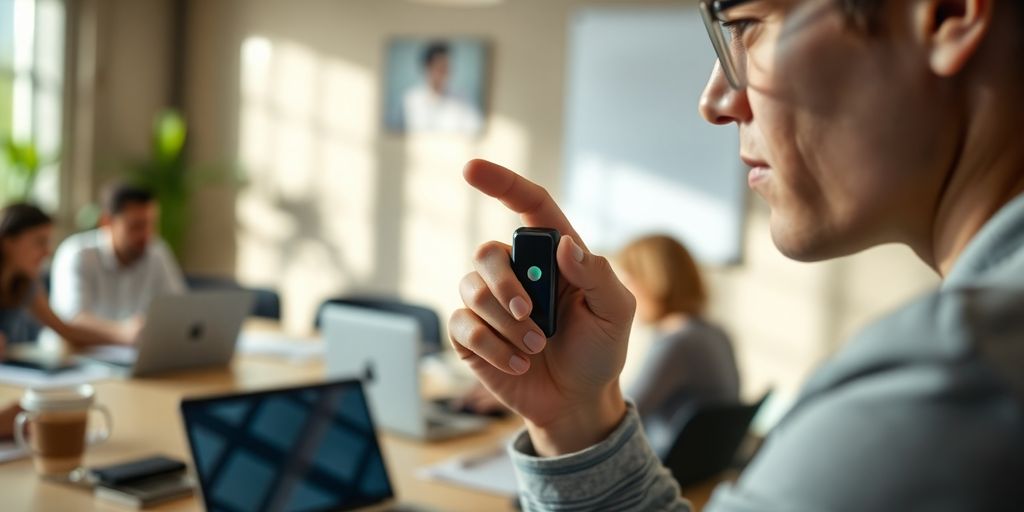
(147, 422)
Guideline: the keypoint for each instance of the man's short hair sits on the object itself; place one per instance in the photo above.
(433, 51)
(118, 197)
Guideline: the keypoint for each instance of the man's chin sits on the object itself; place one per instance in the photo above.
(135, 255)
(807, 245)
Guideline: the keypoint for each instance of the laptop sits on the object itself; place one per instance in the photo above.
(308, 448)
(383, 348)
(182, 332)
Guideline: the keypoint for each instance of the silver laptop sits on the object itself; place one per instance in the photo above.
(182, 332)
(384, 349)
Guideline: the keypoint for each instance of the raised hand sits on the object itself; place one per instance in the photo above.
(566, 387)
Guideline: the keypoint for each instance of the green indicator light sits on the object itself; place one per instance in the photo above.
(534, 274)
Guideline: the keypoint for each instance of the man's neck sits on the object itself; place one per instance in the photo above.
(673, 322)
(123, 260)
(988, 175)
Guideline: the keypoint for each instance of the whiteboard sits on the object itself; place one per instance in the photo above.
(639, 158)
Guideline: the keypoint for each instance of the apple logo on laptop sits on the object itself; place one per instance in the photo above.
(195, 333)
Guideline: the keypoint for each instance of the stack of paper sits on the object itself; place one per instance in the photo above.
(10, 451)
(490, 471)
(39, 379)
(276, 345)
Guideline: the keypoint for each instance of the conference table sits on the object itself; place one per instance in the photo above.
(147, 422)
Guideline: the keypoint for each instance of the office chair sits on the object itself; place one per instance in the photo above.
(267, 301)
(430, 323)
(708, 441)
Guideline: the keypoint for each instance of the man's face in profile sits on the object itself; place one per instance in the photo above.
(839, 123)
(438, 71)
(133, 229)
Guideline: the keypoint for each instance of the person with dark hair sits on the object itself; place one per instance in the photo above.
(25, 233)
(691, 361)
(107, 277)
(432, 106)
(863, 122)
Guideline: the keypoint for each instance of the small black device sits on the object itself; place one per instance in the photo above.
(46, 366)
(533, 261)
(143, 483)
(148, 467)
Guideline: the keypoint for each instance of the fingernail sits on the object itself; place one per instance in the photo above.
(518, 364)
(534, 341)
(577, 251)
(520, 309)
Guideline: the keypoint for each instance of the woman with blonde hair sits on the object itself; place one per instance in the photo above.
(691, 361)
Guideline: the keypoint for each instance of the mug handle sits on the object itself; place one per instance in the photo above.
(101, 436)
(20, 424)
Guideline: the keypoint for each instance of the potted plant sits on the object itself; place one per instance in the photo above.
(21, 164)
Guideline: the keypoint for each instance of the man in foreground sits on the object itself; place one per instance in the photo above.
(864, 122)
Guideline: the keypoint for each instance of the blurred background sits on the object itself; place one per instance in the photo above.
(263, 126)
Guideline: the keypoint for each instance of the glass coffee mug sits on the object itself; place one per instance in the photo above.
(57, 420)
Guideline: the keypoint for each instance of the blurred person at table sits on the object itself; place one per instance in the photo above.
(25, 234)
(691, 360)
(107, 277)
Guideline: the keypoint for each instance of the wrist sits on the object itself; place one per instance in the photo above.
(578, 428)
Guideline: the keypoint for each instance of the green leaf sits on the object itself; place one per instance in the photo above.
(169, 136)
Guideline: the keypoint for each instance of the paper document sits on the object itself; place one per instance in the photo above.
(114, 354)
(38, 379)
(9, 451)
(296, 350)
(490, 471)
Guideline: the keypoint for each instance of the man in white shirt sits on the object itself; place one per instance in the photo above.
(107, 277)
(431, 106)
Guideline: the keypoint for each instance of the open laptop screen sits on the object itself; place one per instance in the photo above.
(300, 449)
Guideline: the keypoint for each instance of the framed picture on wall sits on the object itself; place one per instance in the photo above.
(436, 85)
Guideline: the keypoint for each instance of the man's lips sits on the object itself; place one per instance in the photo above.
(759, 170)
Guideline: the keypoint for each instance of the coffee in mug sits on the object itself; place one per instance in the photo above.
(57, 421)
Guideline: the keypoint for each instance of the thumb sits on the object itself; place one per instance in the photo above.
(604, 294)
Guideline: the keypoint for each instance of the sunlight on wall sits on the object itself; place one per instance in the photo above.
(306, 141)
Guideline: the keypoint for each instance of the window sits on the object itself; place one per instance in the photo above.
(31, 88)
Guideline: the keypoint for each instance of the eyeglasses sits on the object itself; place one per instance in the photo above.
(725, 38)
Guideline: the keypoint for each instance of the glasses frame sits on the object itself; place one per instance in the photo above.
(711, 11)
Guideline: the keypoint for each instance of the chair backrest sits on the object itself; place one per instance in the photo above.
(430, 323)
(267, 303)
(707, 443)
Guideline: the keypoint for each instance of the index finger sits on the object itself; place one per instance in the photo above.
(531, 201)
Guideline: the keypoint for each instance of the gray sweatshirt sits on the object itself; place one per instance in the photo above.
(922, 411)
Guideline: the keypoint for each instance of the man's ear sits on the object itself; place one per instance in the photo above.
(105, 220)
(953, 31)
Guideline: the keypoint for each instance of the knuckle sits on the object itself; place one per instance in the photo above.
(479, 296)
(487, 251)
(456, 318)
(630, 300)
(470, 287)
(467, 279)
(601, 264)
(476, 337)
